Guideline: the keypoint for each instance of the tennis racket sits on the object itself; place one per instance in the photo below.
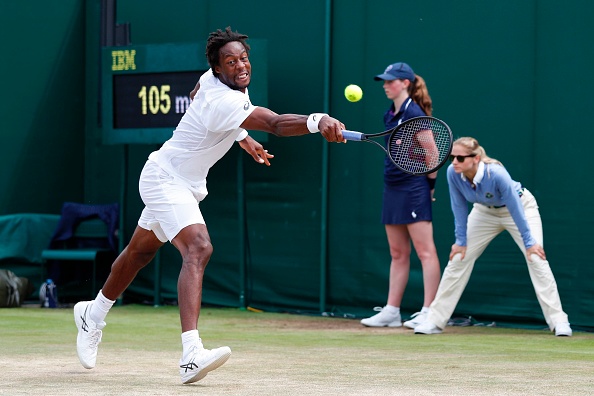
(418, 146)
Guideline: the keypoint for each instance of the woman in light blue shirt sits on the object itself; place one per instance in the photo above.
(499, 203)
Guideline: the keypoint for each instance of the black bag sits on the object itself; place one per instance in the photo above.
(13, 289)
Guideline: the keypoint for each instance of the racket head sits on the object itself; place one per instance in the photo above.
(420, 145)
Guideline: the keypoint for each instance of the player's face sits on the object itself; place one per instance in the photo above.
(235, 70)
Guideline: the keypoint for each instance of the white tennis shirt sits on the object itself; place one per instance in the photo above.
(206, 131)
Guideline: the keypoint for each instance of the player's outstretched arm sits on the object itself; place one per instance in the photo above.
(256, 150)
(263, 119)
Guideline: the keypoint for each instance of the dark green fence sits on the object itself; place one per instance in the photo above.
(514, 74)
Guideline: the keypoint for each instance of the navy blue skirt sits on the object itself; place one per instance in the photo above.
(407, 203)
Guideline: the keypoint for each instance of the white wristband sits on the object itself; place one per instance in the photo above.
(313, 120)
(242, 135)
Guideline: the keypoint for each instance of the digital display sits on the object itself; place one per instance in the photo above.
(152, 100)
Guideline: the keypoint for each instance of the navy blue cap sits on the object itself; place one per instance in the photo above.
(395, 71)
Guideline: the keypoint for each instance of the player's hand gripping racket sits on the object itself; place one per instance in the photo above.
(418, 146)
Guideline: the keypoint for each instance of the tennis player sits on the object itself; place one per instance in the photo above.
(172, 184)
(407, 199)
(499, 203)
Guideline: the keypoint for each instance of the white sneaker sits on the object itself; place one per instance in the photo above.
(382, 319)
(563, 329)
(89, 334)
(416, 319)
(427, 327)
(201, 362)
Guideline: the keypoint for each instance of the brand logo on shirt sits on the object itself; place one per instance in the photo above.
(488, 195)
(246, 106)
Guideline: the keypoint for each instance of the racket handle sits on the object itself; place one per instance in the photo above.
(352, 135)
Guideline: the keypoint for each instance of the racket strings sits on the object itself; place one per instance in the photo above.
(421, 146)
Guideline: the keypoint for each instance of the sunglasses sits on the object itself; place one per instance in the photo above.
(461, 158)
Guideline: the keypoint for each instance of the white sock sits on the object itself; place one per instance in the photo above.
(425, 310)
(100, 308)
(190, 339)
(392, 309)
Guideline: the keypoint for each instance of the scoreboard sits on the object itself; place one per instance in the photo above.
(151, 100)
(145, 88)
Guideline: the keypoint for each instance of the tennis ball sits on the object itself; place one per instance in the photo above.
(353, 93)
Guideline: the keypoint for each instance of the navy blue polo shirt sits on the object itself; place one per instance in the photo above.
(408, 110)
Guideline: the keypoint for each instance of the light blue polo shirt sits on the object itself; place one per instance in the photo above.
(493, 187)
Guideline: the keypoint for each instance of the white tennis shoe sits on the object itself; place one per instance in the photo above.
(202, 361)
(416, 319)
(383, 319)
(428, 327)
(563, 330)
(89, 334)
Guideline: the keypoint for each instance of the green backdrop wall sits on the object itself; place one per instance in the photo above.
(42, 75)
(514, 74)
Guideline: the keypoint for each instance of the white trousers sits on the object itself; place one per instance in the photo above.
(484, 224)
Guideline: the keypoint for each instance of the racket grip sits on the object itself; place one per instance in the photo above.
(352, 135)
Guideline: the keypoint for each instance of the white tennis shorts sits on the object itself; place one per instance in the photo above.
(171, 204)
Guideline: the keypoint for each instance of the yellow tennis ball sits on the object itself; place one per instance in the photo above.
(353, 93)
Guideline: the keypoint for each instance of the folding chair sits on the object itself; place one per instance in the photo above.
(84, 233)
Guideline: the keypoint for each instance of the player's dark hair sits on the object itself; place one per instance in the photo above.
(473, 147)
(418, 91)
(216, 40)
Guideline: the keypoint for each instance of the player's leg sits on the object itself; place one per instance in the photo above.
(89, 316)
(182, 223)
(193, 242)
(541, 275)
(179, 219)
(140, 251)
(194, 245)
(174, 204)
(399, 243)
(173, 214)
(421, 234)
(148, 236)
(482, 228)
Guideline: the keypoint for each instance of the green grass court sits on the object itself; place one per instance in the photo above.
(284, 354)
